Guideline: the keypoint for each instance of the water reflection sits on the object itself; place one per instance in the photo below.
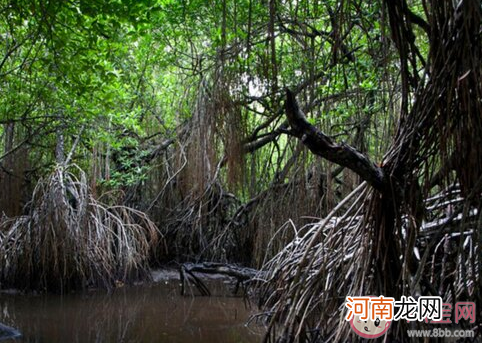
(140, 314)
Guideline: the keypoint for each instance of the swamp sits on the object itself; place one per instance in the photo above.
(240, 171)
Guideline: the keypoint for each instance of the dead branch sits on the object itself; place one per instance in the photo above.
(188, 270)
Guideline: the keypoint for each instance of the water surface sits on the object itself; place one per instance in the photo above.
(149, 313)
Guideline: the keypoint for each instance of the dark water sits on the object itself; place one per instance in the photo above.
(141, 314)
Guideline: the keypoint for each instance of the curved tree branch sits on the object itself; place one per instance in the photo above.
(323, 146)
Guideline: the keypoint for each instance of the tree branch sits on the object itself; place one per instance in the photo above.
(323, 146)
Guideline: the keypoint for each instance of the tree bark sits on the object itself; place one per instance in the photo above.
(323, 146)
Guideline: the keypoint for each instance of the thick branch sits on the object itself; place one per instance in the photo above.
(322, 145)
(250, 147)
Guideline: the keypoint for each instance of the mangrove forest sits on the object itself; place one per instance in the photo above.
(240, 171)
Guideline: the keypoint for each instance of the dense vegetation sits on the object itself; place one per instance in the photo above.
(135, 133)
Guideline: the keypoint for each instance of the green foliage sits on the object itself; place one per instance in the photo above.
(116, 69)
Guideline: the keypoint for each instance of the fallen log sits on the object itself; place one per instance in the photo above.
(187, 274)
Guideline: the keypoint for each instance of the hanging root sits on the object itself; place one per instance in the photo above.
(304, 286)
(69, 240)
(307, 280)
